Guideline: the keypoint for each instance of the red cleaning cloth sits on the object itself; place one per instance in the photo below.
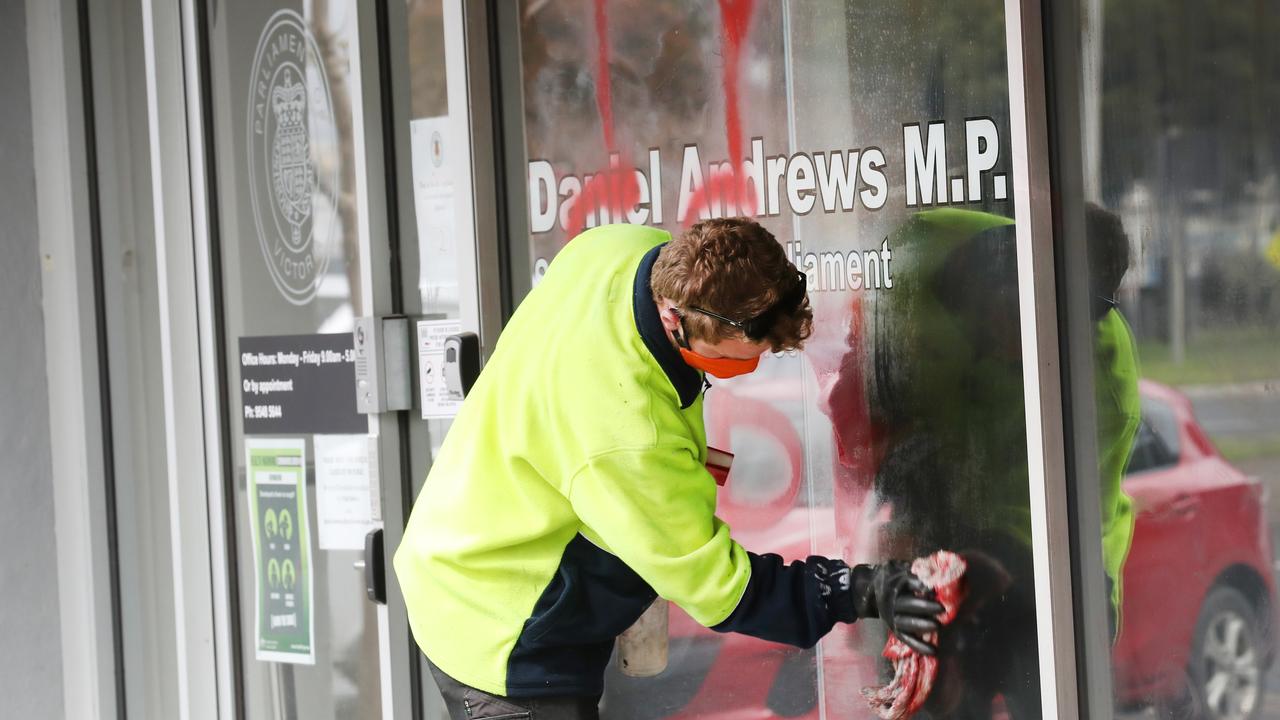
(913, 673)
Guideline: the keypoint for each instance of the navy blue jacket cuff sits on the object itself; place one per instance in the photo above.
(794, 604)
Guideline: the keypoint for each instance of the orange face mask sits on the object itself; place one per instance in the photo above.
(722, 368)
(755, 328)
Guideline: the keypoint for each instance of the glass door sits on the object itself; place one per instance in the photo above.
(346, 181)
(299, 228)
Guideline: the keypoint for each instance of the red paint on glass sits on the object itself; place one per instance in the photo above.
(614, 191)
(735, 18)
(723, 194)
(604, 93)
(729, 193)
(610, 193)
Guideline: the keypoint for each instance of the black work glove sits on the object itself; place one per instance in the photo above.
(899, 598)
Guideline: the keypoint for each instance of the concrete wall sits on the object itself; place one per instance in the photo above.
(30, 653)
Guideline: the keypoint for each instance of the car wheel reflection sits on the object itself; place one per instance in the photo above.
(1228, 670)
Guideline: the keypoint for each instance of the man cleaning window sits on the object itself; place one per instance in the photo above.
(571, 491)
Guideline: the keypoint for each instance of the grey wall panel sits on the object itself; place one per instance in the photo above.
(31, 653)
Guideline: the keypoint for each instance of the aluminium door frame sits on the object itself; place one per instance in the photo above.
(481, 270)
(1048, 76)
(190, 361)
(403, 670)
(77, 389)
(379, 292)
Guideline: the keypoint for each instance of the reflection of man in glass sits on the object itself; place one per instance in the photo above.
(946, 402)
(572, 491)
(945, 399)
(1115, 380)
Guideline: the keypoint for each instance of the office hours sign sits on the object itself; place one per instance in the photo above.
(299, 384)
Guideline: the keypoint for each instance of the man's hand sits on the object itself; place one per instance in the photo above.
(890, 592)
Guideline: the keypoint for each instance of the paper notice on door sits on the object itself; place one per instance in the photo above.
(276, 474)
(348, 500)
(436, 402)
(433, 203)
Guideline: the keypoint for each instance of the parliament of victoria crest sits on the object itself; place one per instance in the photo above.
(293, 156)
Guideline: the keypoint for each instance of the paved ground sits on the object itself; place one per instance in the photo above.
(1238, 411)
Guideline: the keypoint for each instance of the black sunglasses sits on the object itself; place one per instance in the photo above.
(757, 328)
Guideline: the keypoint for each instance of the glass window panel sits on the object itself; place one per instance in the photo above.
(900, 428)
(1182, 238)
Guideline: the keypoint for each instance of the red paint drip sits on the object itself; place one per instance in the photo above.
(614, 190)
(735, 193)
(735, 16)
(604, 94)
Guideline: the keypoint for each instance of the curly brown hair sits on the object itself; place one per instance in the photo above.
(736, 268)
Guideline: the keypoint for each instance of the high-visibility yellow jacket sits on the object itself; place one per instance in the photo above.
(571, 491)
(1119, 409)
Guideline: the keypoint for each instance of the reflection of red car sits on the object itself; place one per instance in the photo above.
(1198, 590)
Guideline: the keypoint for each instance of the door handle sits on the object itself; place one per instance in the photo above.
(1185, 505)
(375, 567)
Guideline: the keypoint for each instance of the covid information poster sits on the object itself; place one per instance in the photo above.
(276, 469)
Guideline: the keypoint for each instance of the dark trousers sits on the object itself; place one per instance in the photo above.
(467, 703)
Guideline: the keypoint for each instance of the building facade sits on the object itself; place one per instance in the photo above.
(1041, 243)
